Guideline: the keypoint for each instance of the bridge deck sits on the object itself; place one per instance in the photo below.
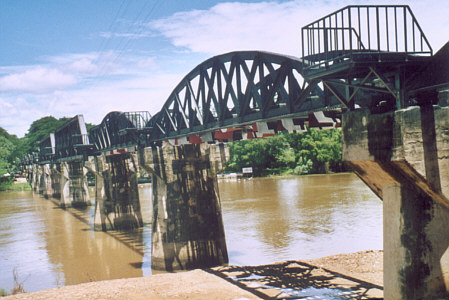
(341, 63)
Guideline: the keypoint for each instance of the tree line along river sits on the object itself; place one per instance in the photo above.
(266, 220)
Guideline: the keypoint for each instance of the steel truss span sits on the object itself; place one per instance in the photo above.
(120, 130)
(238, 89)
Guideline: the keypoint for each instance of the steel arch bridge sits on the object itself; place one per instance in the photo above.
(347, 63)
(237, 89)
(120, 130)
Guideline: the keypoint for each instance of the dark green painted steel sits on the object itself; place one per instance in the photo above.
(364, 33)
(119, 130)
(236, 89)
(371, 56)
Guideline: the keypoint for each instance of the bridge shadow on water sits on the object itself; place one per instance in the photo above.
(297, 280)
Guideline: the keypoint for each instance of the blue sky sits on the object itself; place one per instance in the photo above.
(91, 57)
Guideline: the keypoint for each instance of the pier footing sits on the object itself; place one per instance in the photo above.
(188, 229)
(403, 156)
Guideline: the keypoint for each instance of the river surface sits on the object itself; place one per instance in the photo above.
(266, 220)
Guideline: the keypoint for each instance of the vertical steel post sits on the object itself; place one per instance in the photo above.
(387, 29)
(350, 32)
(378, 28)
(396, 27)
(368, 28)
(405, 30)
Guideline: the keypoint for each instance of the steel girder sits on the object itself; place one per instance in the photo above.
(47, 149)
(119, 130)
(71, 139)
(236, 89)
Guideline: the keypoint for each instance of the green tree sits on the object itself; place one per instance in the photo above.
(314, 151)
(39, 130)
(6, 148)
(17, 150)
(261, 154)
(318, 151)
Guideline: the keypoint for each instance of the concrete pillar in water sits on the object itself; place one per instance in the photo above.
(36, 177)
(403, 156)
(47, 185)
(42, 180)
(74, 190)
(32, 177)
(55, 174)
(188, 229)
(29, 174)
(117, 204)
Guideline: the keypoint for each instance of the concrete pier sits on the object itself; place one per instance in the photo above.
(74, 190)
(55, 175)
(35, 177)
(403, 156)
(47, 183)
(41, 182)
(117, 204)
(188, 229)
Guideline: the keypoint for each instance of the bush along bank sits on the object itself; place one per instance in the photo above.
(312, 152)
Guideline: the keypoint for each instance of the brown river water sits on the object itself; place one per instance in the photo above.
(266, 220)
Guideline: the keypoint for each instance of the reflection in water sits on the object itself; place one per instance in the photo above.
(84, 255)
(270, 219)
(52, 247)
(266, 220)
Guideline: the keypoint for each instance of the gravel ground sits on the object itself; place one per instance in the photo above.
(198, 284)
(363, 265)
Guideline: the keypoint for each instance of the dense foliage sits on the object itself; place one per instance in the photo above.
(12, 149)
(8, 146)
(39, 130)
(314, 151)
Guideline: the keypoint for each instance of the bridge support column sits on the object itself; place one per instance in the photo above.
(75, 192)
(47, 184)
(188, 229)
(403, 157)
(29, 174)
(55, 174)
(42, 184)
(35, 177)
(117, 204)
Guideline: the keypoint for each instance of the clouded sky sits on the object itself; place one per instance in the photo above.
(90, 57)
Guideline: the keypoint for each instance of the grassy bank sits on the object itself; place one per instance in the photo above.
(18, 187)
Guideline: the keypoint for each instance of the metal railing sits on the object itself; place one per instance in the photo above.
(80, 139)
(46, 154)
(138, 118)
(364, 29)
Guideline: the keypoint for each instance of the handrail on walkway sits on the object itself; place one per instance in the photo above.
(362, 29)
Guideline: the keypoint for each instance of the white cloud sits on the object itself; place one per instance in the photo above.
(133, 94)
(128, 35)
(92, 84)
(273, 26)
(83, 65)
(36, 79)
(433, 16)
(235, 26)
(86, 64)
(16, 114)
(226, 27)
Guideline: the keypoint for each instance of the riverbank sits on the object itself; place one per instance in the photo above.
(337, 272)
(20, 184)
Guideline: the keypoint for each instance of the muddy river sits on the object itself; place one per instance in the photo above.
(266, 220)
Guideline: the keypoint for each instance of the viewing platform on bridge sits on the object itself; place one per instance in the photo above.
(355, 37)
